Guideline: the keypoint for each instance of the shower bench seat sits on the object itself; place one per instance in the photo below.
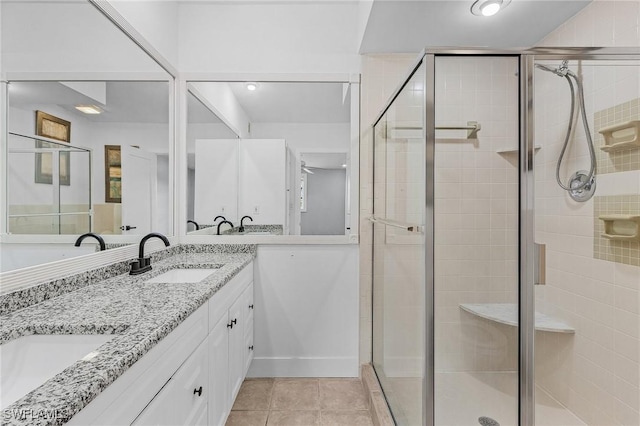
(507, 313)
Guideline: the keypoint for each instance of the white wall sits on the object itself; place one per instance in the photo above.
(156, 21)
(307, 137)
(258, 37)
(219, 98)
(44, 37)
(306, 320)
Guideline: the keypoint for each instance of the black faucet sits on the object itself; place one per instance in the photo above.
(195, 223)
(219, 217)
(91, 234)
(143, 264)
(224, 221)
(241, 229)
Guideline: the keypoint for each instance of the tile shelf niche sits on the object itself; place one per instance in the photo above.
(507, 313)
(621, 136)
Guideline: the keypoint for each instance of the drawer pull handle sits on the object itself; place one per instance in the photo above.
(250, 306)
(198, 391)
(251, 347)
(235, 321)
(230, 325)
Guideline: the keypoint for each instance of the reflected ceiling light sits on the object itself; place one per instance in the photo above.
(344, 165)
(89, 109)
(488, 7)
(251, 86)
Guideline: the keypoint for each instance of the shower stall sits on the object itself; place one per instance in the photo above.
(498, 294)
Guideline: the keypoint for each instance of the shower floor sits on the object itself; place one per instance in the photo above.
(463, 397)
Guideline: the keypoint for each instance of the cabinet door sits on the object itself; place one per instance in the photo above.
(236, 347)
(183, 399)
(219, 396)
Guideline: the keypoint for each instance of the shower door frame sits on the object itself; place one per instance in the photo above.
(526, 215)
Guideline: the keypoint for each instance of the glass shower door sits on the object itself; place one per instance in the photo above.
(399, 253)
(476, 244)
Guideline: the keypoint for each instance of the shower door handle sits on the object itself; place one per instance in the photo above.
(395, 224)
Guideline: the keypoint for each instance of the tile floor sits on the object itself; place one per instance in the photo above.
(304, 402)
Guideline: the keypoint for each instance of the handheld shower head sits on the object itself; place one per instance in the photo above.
(561, 71)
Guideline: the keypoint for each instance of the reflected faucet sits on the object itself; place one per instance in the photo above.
(143, 264)
(91, 234)
(195, 224)
(241, 229)
(219, 217)
(224, 221)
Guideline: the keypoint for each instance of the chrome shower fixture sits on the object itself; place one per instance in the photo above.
(582, 184)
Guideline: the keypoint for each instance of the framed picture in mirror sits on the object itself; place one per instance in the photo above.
(56, 128)
(113, 174)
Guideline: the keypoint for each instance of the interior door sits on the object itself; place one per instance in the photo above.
(139, 190)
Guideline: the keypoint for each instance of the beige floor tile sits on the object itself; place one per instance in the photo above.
(247, 418)
(295, 394)
(294, 418)
(342, 394)
(255, 394)
(345, 418)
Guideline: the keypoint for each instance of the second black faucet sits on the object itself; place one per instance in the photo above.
(143, 264)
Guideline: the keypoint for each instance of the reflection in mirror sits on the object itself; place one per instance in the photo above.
(127, 176)
(323, 193)
(257, 172)
(55, 189)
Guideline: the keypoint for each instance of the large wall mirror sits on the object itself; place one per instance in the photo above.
(271, 158)
(86, 134)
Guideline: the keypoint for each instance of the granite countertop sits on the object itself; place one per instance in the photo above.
(139, 314)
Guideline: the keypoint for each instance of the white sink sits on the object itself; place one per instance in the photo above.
(176, 276)
(29, 361)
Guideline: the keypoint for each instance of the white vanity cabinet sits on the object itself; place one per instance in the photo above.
(192, 376)
(227, 345)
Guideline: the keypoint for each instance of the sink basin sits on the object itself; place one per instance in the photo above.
(29, 361)
(176, 276)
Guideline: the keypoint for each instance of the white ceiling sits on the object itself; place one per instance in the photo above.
(299, 102)
(409, 26)
(127, 101)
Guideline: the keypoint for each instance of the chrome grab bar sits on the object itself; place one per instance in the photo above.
(393, 223)
(472, 128)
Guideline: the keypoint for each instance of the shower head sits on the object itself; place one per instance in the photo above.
(561, 71)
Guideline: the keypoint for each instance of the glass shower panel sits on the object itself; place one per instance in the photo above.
(48, 187)
(398, 253)
(476, 240)
(587, 368)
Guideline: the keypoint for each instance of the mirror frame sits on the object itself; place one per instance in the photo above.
(166, 73)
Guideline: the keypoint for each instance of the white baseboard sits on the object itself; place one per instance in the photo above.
(304, 367)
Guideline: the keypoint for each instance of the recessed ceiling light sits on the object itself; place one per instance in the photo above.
(344, 165)
(488, 7)
(251, 86)
(89, 109)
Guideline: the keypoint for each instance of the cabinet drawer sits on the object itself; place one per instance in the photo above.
(183, 400)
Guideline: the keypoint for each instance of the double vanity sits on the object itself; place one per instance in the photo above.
(169, 346)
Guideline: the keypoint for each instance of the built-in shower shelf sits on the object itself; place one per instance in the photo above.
(507, 313)
(514, 150)
(621, 136)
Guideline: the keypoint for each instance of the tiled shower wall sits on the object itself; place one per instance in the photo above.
(596, 372)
